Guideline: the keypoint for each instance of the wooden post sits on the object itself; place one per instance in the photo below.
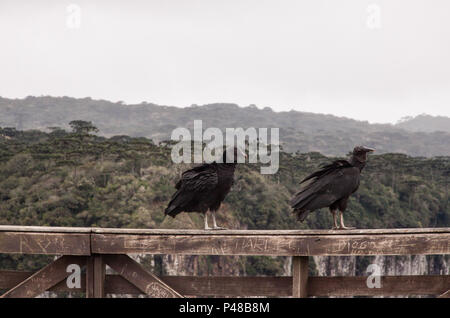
(300, 276)
(90, 277)
(99, 277)
(95, 277)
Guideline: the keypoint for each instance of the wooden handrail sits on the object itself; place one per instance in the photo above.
(96, 248)
(87, 241)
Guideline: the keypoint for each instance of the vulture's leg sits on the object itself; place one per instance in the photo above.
(335, 226)
(343, 227)
(206, 221)
(215, 227)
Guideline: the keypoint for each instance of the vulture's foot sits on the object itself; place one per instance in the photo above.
(215, 226)
(346, 228)
(206, 223)
(219, 228)
(335, 226)
(342, 225)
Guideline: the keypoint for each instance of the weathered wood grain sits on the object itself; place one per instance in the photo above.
(390, 286)
(48, 229)
(300, 276)
(445, 295)
(269, 232)
(77, 241)
(9, 278)
(264, 286)
(44, 279)
(89, 277)
(45, 243)
(95, 277)
(99, 276)
(288, 245)
(114, 284)
(138, 276)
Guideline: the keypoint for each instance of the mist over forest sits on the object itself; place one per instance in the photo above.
(301, 132)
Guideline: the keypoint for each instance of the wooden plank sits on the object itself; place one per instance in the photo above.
(390, 286)
(89, 279)
(415, 285)
(186, 285)
(45, 243)
(283, 286)
(263, 286)
(43, 279)
(99, 276)
(269, 232)
(289, 245)
(9, 278)
(46, 229)
(217, 243)
(300, 276)
(114, 284)
(34, 240)
(95, 277)
(445, 295)
(138, 276)
(87, 230)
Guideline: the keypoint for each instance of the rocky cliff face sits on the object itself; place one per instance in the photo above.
(389, 265)
(186, 265)
(192, 265)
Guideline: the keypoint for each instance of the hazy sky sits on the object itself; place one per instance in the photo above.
(369, 60)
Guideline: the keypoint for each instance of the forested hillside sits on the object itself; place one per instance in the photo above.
(299, 131)
(425, 123)
(75, 178)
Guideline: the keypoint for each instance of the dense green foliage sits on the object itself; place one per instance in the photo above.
(78, 179)
(299, 131)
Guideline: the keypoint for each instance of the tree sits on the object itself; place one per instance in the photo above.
(81, 127)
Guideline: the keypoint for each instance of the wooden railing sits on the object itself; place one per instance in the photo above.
(92, 249)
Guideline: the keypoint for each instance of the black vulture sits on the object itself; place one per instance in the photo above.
(331, 186)
(204, 187)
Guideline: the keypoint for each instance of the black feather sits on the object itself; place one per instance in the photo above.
(330, 186)
(202, 188)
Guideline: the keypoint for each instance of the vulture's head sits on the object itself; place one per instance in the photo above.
(234, 155)
(360, 153)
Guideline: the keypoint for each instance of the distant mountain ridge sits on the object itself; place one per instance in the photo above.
(299, 131)
(425, 123)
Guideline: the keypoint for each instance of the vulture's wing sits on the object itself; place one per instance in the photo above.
(198, 178)
(193, 183)
(327, 185)
(327, 169)
(202, 178)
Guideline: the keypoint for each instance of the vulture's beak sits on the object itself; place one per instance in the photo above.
(367, 149)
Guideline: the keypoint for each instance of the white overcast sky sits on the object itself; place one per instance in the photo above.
(316, 56)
